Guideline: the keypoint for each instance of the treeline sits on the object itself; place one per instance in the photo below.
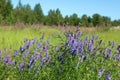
(25, 14)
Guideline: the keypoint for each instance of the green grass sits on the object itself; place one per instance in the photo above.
(15, 37)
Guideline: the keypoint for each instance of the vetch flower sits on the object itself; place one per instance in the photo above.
(118, 48)
(90, 46)
(5, 59)
(79, 34)
(119, 57)
(108, 76)
(75, 43)
(81, 47)
(31, 63)
(101, 71)
(34, 40)
(74, 51)
(21, 49)
(38, 45)
(46, 60)
(27, 44)
(15, 52)
(109, 53)
(22, 65)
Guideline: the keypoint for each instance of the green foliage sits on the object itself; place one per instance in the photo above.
(74, 20)
(84, 20)
(97, 20)
(38, 13)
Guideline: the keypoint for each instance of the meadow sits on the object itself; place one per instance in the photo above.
(52, 53)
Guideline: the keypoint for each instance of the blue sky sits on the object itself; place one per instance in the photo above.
(110, 8)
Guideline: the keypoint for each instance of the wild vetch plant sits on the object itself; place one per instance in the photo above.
(27, 61)
(79, 57)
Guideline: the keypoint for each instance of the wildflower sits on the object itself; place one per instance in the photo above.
(46, 60)
(79, 34)
(118, 48)
(27, 44)
(101, 71)
(90, 46)
(15, 52)
(38, 46)
(81, 47)
(70, 41)
(108, 76)
(6, 59)
(34, 40)
(37, 56)
(109, 53)
(74, 52)
(31, 63)
(21, 49)
(22, 65)
(119, 57)
(75, 43)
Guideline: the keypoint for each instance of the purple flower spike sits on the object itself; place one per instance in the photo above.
(101, 71)
(118, 48)
(5, 59)
(21, 66)
(15, 52)
(119, 57)
(21, 49)
(81, 47)
(79, 34)
(31, 63)
(109, 52)
(27, 44)
(38, 46)
(90, 46)
(34, 40)
(74, 52)
(108, 76)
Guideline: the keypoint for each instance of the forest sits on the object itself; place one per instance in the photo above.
(26, 15)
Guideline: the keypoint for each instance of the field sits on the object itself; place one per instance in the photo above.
(15, 37)
(94, 67)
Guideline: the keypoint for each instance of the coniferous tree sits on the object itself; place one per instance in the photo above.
(38, 13)
(97, 20)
